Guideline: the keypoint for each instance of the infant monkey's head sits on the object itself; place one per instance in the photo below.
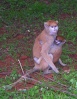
(60, 40)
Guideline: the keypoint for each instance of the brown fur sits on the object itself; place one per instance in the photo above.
(42, 50)
(46, 49)
(56, 51)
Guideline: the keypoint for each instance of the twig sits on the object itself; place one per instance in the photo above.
(7, 87)
(21, 67)
(13, 84)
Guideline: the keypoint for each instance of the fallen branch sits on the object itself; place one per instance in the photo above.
(21, 67)
(7, 87)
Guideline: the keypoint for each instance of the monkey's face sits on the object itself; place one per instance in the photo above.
(51, 27)
(59, 40)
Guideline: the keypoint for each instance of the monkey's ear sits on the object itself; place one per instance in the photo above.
(57, 22)
(45, 24)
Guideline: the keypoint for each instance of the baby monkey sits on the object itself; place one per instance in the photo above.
(55, 51)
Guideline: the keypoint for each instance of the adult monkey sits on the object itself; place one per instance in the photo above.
(47, 36)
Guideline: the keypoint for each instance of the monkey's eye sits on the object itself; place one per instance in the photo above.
(52, 26)
(57, 42)
(60, 40)
(56, 26)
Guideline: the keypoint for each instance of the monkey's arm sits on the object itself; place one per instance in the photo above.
(47, 58)
(37, 60)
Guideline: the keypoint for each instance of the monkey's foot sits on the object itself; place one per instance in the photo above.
(48, 72)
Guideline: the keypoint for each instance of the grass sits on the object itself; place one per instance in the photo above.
(31, 95)
(26, 18)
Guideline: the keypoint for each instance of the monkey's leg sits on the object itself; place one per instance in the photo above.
(44, 54)
(48, 59)
(51, 56)
(35, 69)
(51, 64)
(47, 71)
(61, 63)
(37, 60)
